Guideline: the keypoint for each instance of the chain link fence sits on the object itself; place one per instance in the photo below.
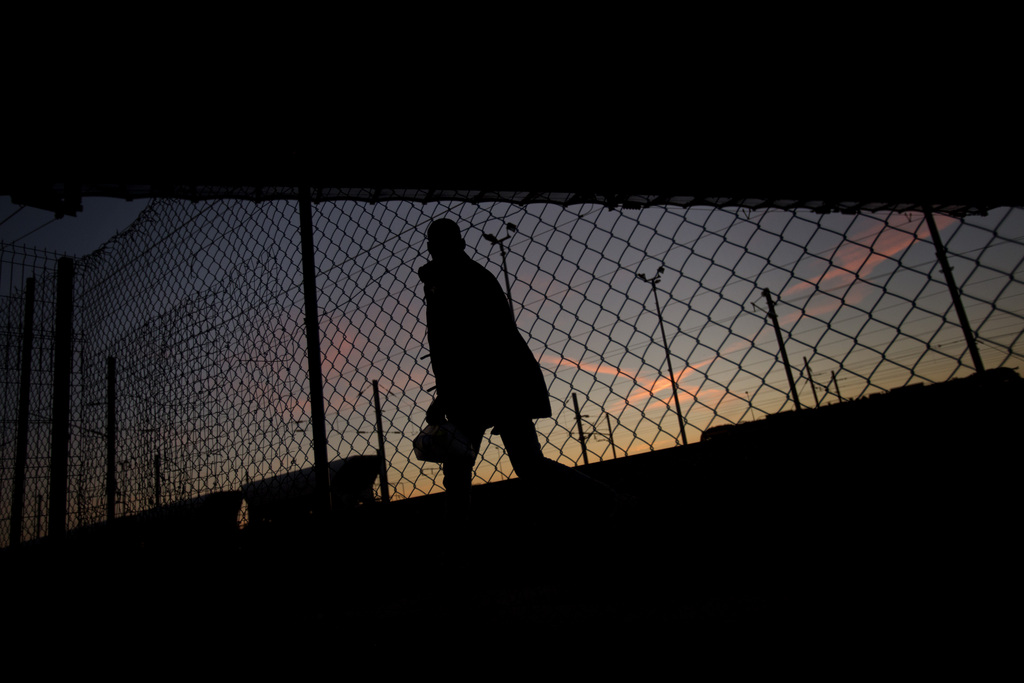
(652, 325)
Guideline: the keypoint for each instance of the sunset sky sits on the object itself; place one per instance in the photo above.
(852, 295)
(591, 321)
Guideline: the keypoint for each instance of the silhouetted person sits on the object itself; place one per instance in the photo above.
(485, 373)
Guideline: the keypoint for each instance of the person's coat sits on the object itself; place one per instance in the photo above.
(483, 368)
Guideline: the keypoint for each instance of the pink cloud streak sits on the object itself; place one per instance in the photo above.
(858, 258)
(643, 389)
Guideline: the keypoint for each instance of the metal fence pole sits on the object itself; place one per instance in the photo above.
(810, 380)
(157, 489)
(24, 406)
(835, 383)
(316, 385)
(385, 495)
(653, 281)
(782, 346)
(611, 438)
(61, 428)
(511, 227)
(111, 438)
(954, 292)
(579, 426)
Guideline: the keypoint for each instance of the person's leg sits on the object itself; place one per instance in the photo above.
(550, 478)
(458, 475)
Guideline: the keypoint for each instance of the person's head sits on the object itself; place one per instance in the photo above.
(444, 238)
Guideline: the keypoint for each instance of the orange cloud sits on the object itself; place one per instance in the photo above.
(660, 387)
(663, 385)
(858, 257)
(591, 368)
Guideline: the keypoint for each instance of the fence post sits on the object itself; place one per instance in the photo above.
(782, 346)
(654, 280)
(611, 439)
(61, 429)
(954, 292)
(385, 495)
(157, 491)
(579, 426)
(111, 438)
(511, 227)
(316, 386)
(835, 383)
(810, 380)
(24, 406)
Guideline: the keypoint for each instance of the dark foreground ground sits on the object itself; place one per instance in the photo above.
(875, 529)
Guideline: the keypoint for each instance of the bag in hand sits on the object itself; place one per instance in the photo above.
(440, 442)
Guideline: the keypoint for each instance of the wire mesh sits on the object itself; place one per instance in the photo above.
(200, 306)
(24, 270)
